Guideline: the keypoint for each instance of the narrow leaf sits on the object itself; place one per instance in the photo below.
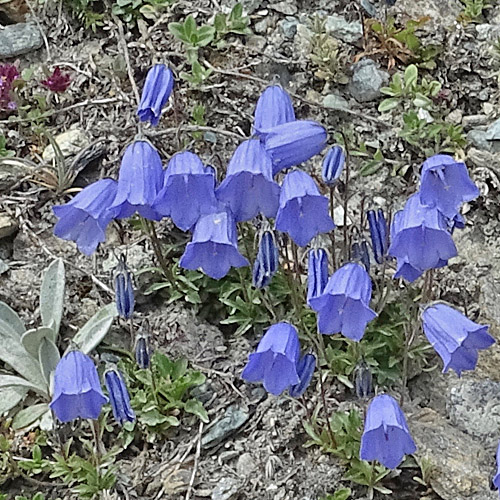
(12, 381)
(29, 415)
(32, 339)
(52, 296)
(48, 357)
(10, 397)
(11, 318)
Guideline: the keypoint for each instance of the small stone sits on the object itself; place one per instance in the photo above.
(474, 121)
(335, 101)
(4, 267)
(10, 173)
(8, 226)
(70, 143)
(261, 26)
(18, 39)
(245, 465)
(455, 117)
(347, 31)
(14, 11)
(488, 108)
(493, 136)
(478, 139)
(232, 420)
(367, 80)
(257, 42)
(289, 27)
(288, 8)
(483, 31)
(369, 8)
(227, 489)
(484, 95)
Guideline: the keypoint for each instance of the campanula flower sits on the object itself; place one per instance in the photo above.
(249, 188)
(455, 337)
(267, 261)
(118, 396)
(496, 479)
(275, 361)
(406, 271)
(155, 93)
(378, 234)
(344, 305)
(305, 371)
(274, 107)
(360, 253)
(84, 219)
(317, 272)
(386, 436)
(8, 75)
(293, 143)
(214, 246)
(445, 184)
(303, 211)
(57, 81)
(124, 289)
(139, 181)
(420, 236)
(77, 390)
(142, 352)
(187, 192)
(333, 165)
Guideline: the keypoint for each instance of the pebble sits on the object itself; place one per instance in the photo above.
(455, 117)
(226, 489)
(232, 420)
(493, 136)
(18, 39)
(347, 31)
(289, 27)
(335, 101)
(367, 80)
(70, 143)
(287, 8)
(8, 226)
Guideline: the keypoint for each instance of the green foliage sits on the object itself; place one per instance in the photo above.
(4, 152)
(234, 22)
(372, 162)
(36, 496)
(473, 10)
(342, 494)
(198, 118)
(427, 468)
(192, 36)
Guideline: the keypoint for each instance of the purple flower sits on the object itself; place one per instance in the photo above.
(445, 184)
(155, 93)
(214, 246)
(305, 371)
(187, 192)
(142, 352)
(124, 289)
(360, 253)
(118, 396)
(77, 390)
(303, 211)
(248, 188)
(267, 261)
(275, 361)
(57, 81)
(406, 271)
(386, 436)
(496, 479)
(274, 107)
(344, 305)
(333, 165)
(294, 142)
(420, 237)
(139, 181)
(8, 74)
(455, 337)
(84, 219)
(317, 272)
(378, 234)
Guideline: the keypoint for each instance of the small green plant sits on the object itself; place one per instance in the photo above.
(4, 152)
(372, 162)
(426, 470)
(234, 22)
(192, 36)
(473, 10)
(342, 494)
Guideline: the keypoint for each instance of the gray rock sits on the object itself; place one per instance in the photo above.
(232, 420)
(18, 39)
(369, 8)
(245, 465)
(288, 8)
(8, 226)
(335, 101)
(493, 136)
(4, 267)
(478, 139)
(70, 143)
(227, 489)
(250, 6)
(10, 172)
(367, 80)
(289, 27)
(338, 27)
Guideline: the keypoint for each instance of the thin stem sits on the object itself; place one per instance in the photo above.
(132, 334)
(410, 334)
(346, 196)
(332, 233)
(100, 450)
(327, 412)
(157, 250)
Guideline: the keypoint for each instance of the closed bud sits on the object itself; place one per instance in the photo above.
(124, 289)
(118, 396)
(317, 272)
(305, 371)
(333, 165)
(360, 253)
(364, 380)
(266, 263)
(378, 234)
(142, 352)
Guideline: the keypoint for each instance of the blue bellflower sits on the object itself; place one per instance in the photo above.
(333, 165)
(275, 361)
(305, 371)
(274, 107)
(139, 181)
(293, 143)
(124, 289)
(214, 246)
(360, 253)
(267, 261)
(303, 211)
(84, 219)
(344, 305)
(378, 234)
(187, 192)
(496, 478)
(317, 272)
(118, 396)
(445, 184)
(77, 390)
(155, 93)
(142, 352)
(420, 239)
(249, 188)
(455, 337)
(386, 436)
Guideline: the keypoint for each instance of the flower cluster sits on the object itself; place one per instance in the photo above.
(57, 81)
(8, 74)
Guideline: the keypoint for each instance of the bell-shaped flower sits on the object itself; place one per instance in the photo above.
(77, 390)
(267, 261)
(333, 165)
(214, 246)
(305, 371)
(303, 211)
(344, 305)
(406, 271)
(155, 93)
(293, 143)
(139, 181)
(124, 289)
(274, 107)
(386, 436)
(378, 234)
(249, 188)
(455, 337)
(118, 396)
(317, 272)
(84, 219)
(187, 192)
(420, 236)
(445, 184)
(275, 361)
(496, 478)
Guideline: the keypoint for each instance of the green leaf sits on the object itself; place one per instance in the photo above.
(52, 296)
(190, 27)
(32, 339)
(205, 36)
(29, 415)
(9, 381)
(196, 408)
(388, 104)
(10, 320)
(411, 76)
(10, 397)
(48, 357)
(154, 417)
(177, 29)
(220, 23)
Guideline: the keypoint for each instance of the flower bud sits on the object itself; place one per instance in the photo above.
(363, 381)
(305, 371)
(124, 290)
(317, 272)
(267, 261)
(378, 234)
(333, 165)
(118, 396)
(142, 352)
(157, 89)
(274, 107)
(360, 253)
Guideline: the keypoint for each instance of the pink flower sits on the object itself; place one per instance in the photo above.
(8, 74)
(57, 81)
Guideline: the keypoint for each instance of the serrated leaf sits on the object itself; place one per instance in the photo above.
(32, 339)
(10, 319)
(29, 415)
(48, 356)
(10, 397)
(52, 296)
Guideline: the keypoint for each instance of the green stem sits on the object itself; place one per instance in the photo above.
(332, 233)
(167, 271)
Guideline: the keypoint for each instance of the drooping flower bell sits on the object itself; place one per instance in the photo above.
(275, 361)
(249, 188)
(378, 234)
(344, 305)
(455, 337)
(77, 390)
(155, 93)
(267, 261)
(118, 396)
(274, 107)
(445, 184)
(496, 478)
(317, 272)
(84, 219)
(187, 192)
(333, 165)
(214, 246)
(303, 211)
(386, 436)
(57, 81)
(139, 181)
(305, 371)
(293, 143)
(420, 238)
(124, 289)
